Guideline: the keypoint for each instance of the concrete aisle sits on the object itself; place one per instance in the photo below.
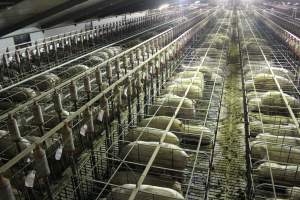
(229, 166)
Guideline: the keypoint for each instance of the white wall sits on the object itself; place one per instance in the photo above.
(100, 22)
(8, 42)
(36, 35)
(22, 31)
(64, 29)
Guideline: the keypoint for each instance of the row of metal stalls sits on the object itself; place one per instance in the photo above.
(106, 91)
(270, 81)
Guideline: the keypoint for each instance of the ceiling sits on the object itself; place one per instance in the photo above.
(16, 14)
(7, 3)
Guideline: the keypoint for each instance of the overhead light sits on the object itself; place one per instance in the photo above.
(164, 6)
(196, 2)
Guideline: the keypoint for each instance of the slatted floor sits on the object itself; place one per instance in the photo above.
(229, 165)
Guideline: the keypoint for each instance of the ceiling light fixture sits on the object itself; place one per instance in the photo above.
(164, 6)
